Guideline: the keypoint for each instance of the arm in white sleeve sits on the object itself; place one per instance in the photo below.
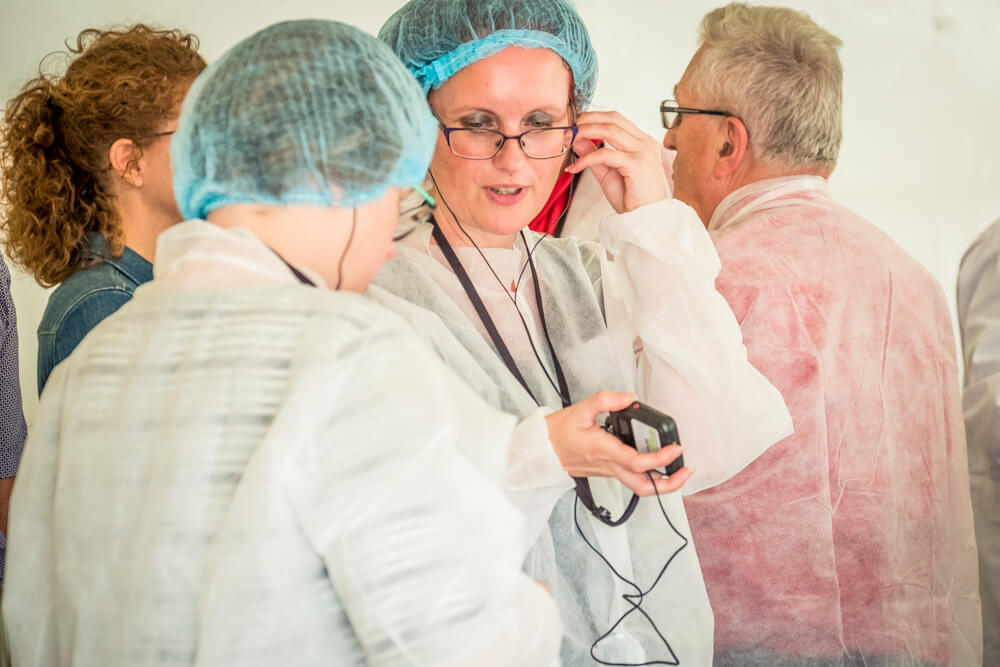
(420, 543)
(979, 321)
(535, 479)
(659, 290)
(979, 324)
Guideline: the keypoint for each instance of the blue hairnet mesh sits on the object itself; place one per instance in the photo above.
(303, 112)
(437, 38)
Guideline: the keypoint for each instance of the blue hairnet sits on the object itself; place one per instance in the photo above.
(437, 38)
(303, 112)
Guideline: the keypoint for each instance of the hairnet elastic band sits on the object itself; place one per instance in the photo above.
(436, 72)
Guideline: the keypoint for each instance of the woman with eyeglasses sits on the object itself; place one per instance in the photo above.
(536, 323)
(86, 175)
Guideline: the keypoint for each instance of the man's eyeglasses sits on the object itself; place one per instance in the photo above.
(671, 112)
(479, 144)
(411, 219)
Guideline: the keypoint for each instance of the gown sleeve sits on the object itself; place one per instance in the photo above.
(979, 323)
(666, 316)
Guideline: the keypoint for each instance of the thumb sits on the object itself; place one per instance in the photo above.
(605, 401)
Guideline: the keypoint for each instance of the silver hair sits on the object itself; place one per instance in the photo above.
(779, 72)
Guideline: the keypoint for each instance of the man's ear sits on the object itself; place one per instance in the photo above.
(733, 146)
(124, 159)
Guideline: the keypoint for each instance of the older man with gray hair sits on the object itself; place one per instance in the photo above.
(850, 542)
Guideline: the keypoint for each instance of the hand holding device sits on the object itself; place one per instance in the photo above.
(585, 449)
(647, 430)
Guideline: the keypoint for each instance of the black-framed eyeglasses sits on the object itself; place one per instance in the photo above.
(411, 219)
(671, 113)
(479, 144)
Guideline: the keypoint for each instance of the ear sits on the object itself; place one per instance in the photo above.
(733, 147)
(124, 159)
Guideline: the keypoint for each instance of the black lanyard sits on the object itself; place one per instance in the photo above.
(491, 329)
(582, 484)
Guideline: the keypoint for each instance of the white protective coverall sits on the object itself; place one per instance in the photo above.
(237, 469)
(660, 298)
(979, 321)
(851, 541)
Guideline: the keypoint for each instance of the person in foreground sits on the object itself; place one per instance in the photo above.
(535, 323)
(979, 324)
(250, 463)
(851, 541)
(85, 182)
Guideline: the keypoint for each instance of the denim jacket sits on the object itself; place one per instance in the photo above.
(84, 299)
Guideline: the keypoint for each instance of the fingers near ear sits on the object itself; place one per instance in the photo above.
(602, 157)
(583, 146)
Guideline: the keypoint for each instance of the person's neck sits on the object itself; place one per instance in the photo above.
(761, 172)
(141, 225)
(756, 172)
(470, 236)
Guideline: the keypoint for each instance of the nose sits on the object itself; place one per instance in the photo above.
(669, 139)
(510, 157)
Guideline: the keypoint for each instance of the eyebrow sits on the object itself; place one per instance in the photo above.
(553, 110)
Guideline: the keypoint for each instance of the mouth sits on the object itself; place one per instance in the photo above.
(505, 194)
(506, 191)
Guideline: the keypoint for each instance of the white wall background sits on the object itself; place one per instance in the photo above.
(921, 96)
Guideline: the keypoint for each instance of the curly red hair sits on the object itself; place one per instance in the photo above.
(57, 133)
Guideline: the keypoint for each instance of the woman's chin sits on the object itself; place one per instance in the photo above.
(508, 226)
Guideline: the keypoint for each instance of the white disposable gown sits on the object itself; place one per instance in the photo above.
(655, 276)
(979, 321)
(850, 542)
(237, 469)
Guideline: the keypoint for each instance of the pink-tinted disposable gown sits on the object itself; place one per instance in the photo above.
(850, 541)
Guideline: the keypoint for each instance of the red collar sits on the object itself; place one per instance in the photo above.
(548, 218)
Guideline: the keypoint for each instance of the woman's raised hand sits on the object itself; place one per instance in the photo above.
(628, 166)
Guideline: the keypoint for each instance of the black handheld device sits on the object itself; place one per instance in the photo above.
(647, 430)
